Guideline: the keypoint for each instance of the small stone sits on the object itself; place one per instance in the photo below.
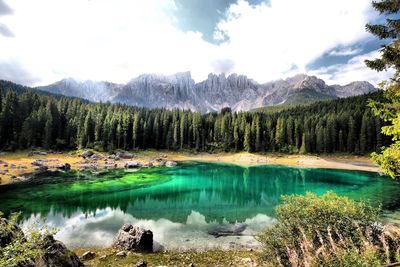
(103, 257)
(121, 254)
(64, 167)
(87, 154)
(88, 255)
(141, 264)
(192, 265)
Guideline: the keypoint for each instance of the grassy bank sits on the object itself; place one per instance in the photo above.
(107, 257)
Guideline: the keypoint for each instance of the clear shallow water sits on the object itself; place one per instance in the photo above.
(181, 204)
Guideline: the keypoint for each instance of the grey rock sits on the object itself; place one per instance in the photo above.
(121, 254)
(170, 163)
(141, 264)
(228, 230)
(131, 237)
(124, 155)
(14, 232)
(87, 154)
(57, 254)
(38, 163)
(42, 168)
(96, 157)
(103, 257)
(64, 166)
(32, 153)
(88, 255)
(133, 164)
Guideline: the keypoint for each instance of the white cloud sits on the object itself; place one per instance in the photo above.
(345, 51)
(118, 40)
(267, 40)
(354, 70)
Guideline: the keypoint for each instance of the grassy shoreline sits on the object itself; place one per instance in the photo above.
(18, 164)
(106, 257)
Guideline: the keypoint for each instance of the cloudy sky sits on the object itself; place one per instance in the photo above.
(43, 41)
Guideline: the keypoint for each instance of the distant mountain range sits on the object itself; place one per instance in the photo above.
(218, 91)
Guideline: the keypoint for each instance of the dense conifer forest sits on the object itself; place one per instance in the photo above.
(32, 119)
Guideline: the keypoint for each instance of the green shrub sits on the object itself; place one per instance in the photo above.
(17, 248)
(328, 230)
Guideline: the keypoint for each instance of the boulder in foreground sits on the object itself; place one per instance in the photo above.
(131, 237)
(57, 254)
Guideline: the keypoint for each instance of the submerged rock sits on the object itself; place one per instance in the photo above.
(228, 230)
(131, 237)
(170, 163)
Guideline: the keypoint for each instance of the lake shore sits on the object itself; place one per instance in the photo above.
(15, 166)
(107, 257)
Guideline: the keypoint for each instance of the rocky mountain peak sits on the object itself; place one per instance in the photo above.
(217, 91)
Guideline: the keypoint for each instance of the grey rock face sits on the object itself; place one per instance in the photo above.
(57, 254)
(131, 237)
(9, 232)
(216, 92)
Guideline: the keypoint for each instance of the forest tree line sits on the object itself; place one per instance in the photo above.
(32, 120)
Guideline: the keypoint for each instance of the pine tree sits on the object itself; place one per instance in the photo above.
(303, 147)
(351, 135)
(247, 138)
(389, 159)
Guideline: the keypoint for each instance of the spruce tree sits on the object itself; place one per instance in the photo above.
(389, 159)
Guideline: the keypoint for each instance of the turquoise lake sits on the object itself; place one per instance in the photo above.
(180, 204)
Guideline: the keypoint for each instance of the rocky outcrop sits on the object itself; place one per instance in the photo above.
(9, 233)
(216, 92)
(57, 254)
(54, 253)
(131, 237)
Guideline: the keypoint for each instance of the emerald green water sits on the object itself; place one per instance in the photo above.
(180, 204)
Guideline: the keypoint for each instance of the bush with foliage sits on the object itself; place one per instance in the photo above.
(17, 248)
(329, 230)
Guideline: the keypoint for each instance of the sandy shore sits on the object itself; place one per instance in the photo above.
(13, 166)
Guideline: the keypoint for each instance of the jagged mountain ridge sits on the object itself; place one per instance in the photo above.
(216, 92)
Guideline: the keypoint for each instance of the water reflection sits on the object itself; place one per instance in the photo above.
(93, 208)
(98, 229)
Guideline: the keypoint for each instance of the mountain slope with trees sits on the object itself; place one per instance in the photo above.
(28, 119)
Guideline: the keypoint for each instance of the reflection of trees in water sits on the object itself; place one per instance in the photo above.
(215, 190)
